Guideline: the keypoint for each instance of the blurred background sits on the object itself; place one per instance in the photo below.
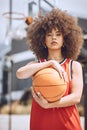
(15, 94)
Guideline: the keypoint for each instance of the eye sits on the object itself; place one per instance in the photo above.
(58, 34)
(49, 34)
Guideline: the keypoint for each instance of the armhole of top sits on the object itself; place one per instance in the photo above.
(71, 75)
(41, 60)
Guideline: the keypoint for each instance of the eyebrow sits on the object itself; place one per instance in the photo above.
(58, 31)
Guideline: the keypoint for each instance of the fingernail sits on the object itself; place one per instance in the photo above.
(38, 93)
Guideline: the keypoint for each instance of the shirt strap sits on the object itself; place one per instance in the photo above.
(71, 75)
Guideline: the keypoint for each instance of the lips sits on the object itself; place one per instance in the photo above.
(54, 42)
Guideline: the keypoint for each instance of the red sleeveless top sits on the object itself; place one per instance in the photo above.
(66, 118)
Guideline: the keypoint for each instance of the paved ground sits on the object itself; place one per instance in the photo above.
(19, 122)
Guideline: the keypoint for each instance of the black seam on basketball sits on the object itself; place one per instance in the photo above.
(56, 95)
(41, 74)
(47, 85)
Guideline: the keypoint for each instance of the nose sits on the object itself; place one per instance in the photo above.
(53, 37)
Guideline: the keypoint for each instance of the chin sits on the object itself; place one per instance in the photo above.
(55, 48)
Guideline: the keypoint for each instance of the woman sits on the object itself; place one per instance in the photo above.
(56, 40)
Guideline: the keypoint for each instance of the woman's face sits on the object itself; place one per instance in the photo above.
(54, 40)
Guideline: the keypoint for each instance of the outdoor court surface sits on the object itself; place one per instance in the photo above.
(19, 122)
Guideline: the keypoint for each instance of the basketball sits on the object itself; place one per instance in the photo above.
(48, 82)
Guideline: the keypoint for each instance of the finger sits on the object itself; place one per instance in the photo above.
(38, 93)
(40, 96)
(65, 76)
(61, 72)
(32, 90)
(34, 94)
(61, 75)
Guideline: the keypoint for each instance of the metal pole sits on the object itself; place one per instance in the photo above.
(1, 78)
(8, 68)
(10, 73)
(38, 5)
(10, 9)
(85, 94)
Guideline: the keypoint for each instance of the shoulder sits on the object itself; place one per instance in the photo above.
(76, 66)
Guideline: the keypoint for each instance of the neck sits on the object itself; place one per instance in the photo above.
(59, 59)
(55, 56)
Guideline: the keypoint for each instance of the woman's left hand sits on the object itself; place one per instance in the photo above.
(40, 99)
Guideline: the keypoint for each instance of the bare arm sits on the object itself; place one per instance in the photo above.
(76, 88)
(31, 68)
(76, 91)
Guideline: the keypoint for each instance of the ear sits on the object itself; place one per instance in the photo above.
(45, 46)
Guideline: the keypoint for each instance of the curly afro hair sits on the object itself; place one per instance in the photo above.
(67, 24)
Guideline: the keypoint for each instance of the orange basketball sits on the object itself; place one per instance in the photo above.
(49, 83)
